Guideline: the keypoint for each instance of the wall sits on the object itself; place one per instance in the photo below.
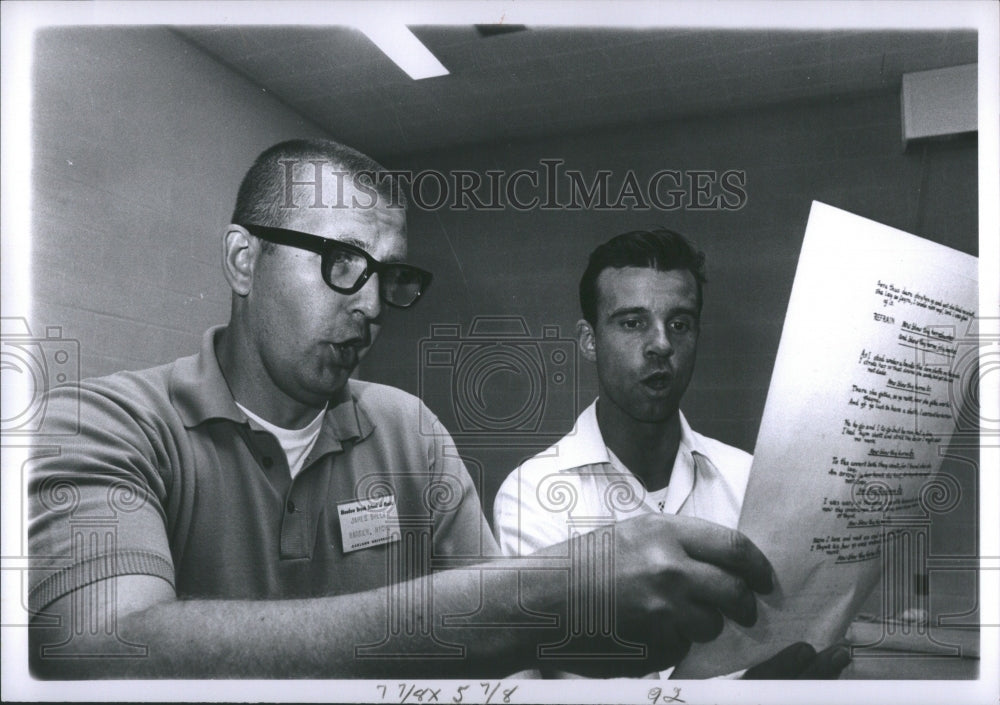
(140, 142)
(845, 151)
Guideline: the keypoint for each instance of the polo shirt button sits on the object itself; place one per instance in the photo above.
(291, 507)
(268, 461)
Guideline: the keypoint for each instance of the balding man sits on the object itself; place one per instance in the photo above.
(251, 511)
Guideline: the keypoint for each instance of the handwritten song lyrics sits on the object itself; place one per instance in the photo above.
(900, 401)
(866, 388)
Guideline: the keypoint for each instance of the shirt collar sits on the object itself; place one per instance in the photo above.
(585, 445)
(199, 392)
(198, 389)
(347, 419)
(691, 441)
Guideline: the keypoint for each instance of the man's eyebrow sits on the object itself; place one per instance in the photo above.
(691, 311)
(350, 240)
(362, 245)
(641, 310)
(628, 311)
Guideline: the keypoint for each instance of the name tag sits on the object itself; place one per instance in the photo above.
(368, 522)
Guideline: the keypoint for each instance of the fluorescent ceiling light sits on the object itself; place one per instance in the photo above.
(399, 44)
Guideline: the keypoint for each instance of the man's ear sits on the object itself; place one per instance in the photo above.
(240, 251)
(586, 341)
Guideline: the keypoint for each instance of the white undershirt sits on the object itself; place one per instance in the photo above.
(296, 442)
(655, 498)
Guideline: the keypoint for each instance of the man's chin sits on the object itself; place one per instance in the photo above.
(657, 413)
(330, 387)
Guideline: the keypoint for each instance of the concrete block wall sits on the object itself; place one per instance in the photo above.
(140, 141)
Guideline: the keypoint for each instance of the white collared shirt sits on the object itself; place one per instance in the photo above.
(578, 484)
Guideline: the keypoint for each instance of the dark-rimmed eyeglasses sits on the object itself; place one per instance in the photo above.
(346, 268)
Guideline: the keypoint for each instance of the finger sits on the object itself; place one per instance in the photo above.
(729, 549)
(699, 623)
(828, 664)
(790, 662)
(713, 587)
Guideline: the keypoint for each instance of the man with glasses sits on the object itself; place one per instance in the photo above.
(250, 511)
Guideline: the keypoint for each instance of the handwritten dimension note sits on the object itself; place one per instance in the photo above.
(479, 692)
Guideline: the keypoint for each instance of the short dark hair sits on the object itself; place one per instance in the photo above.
(660, 249)
(261, 195)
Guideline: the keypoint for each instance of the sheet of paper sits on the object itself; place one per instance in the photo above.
(877, 342)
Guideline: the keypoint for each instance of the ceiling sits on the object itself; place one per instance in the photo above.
(547, 80)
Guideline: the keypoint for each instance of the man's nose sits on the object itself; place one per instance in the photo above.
(658, 342)
(367, 300)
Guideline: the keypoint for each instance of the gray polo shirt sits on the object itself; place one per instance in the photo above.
(167, 477)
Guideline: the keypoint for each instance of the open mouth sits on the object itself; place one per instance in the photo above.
(346, 354)
(658, 381)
